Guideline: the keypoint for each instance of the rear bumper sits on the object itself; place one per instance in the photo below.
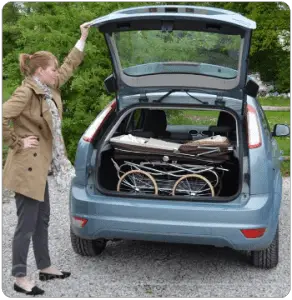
(174, 222)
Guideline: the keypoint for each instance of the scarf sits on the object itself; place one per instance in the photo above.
(62, 169)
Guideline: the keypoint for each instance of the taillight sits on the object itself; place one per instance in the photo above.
(94, 127)
(253, 233)
(79, 222)
(254, 133)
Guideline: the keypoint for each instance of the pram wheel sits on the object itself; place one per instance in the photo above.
(137, 182)
(193, 185)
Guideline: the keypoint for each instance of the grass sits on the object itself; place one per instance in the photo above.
(274, 101)
(189, 117)
(284, 144)
(285, 168)
(278, 117)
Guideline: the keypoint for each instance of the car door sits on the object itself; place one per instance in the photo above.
(272, 151)
(272, 145)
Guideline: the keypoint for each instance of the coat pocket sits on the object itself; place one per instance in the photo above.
(28, 158)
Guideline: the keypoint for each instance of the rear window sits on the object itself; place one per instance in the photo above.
(155, 52)
(192, 117)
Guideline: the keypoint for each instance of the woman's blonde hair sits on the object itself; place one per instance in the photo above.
(29, 63)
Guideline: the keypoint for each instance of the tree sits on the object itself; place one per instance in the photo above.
(54, 26)
(11, 15)
(268, 55)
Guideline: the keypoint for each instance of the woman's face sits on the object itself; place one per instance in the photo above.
(49, 74)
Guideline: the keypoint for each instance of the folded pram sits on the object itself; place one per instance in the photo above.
(217, 147)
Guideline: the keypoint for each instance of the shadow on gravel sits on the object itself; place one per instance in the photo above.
(184, 253)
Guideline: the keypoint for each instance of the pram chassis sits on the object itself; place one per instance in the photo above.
(164, 171)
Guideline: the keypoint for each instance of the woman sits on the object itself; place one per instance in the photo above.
(36, 144)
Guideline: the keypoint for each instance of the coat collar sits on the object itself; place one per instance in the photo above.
(29, 82)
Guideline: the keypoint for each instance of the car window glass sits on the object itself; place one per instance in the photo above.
(137, 119)
(192, 117)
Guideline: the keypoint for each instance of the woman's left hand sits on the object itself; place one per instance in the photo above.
(84, 28)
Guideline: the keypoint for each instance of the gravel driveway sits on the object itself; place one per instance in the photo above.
(146, 269)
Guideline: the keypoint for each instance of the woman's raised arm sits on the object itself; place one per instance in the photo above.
(74, 58)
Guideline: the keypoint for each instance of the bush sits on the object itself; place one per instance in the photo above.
(54, 26)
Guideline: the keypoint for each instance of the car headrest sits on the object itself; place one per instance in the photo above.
(226, 120)
(155, 121)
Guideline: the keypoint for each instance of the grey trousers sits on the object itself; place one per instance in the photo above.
(33, 223)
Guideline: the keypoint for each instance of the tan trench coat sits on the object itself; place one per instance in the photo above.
(26, 170)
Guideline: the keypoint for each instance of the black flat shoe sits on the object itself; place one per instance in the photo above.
(34, 291)
(46, 276)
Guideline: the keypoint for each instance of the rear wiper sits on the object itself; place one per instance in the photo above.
(203, 102)
(179, 90)
(166, 95)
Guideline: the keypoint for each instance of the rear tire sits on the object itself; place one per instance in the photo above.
(269, 257)
(86, 247)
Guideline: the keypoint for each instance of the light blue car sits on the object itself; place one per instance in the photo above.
(184, 153)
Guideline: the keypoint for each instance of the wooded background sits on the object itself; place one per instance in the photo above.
(54, 26)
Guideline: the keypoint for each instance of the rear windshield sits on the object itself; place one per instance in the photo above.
(155, 52)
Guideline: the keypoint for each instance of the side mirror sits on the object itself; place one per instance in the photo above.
(251, 88)
(110, 84)
(281, 130)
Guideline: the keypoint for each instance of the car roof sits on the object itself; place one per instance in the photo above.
(195, 12)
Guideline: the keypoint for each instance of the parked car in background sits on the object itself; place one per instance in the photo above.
(184, 153)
